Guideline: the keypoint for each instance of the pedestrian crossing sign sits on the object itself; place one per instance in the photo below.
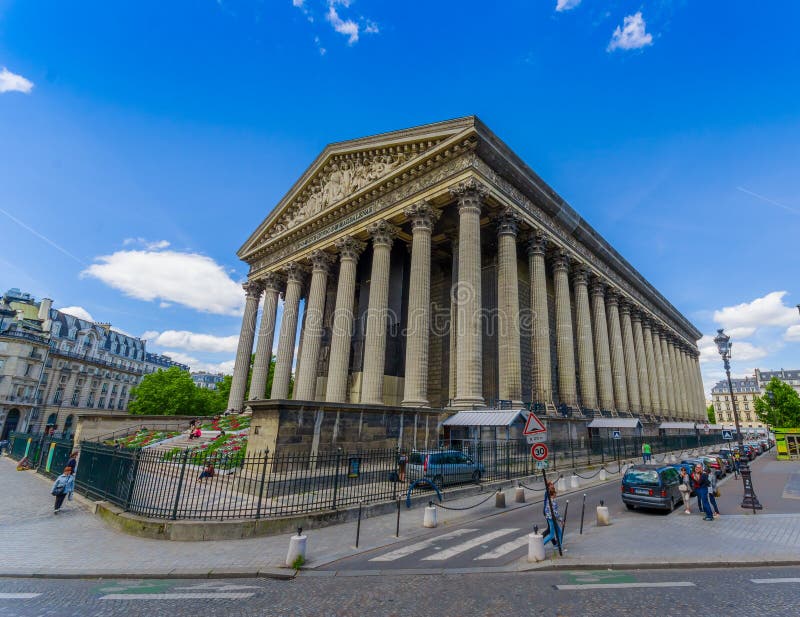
(727, 435)
(616, 435)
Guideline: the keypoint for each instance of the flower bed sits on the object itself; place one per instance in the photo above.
(224, 452)
(142, 438)
(228, 424)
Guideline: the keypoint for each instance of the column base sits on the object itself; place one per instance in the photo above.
(415, 403)
(468, 403)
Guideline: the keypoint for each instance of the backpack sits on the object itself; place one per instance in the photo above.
(59, 488)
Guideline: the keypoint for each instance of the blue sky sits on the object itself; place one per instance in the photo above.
(142, 142)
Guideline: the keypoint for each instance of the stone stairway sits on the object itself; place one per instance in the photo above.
(182, 441)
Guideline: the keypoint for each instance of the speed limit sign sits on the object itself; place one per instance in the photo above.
(539, 451)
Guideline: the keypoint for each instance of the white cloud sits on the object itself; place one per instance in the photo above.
(194, 364)
(792, 334)
(192, 341)
(11, 82)
(632, 35)
(741, 332)
(150, 246)
(188, 279)
(343, 26)
(77, 311)
(566, 5)
(767, 311)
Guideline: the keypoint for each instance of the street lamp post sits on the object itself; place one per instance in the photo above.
(749, 501)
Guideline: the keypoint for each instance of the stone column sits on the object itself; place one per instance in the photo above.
(288, 335)
(661, 378)
(630, 359)
(508, 335)
(618, 371)
(273, 282)
(652, 373)
(641, 363)
(691, 400)
(422, 217)
(699, 381)
(469, 378)
(453, 339)
(306, 381)
(383, 234)
(668, 376)
(602, 353)
(241, 367)
(542, 382)
(677, 383)
(565, 350)
(583, 323)
(342, 333)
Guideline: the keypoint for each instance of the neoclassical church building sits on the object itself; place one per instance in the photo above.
(432, 268)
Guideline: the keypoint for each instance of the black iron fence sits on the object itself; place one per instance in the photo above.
(46, 454)
(162, 484)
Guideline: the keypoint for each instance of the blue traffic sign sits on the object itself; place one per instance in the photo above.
(616, 434)
(727, 435)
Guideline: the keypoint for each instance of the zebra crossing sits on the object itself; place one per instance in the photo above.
(466, 544)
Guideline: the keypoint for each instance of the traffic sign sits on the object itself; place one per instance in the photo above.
(616, 434)
(727, 435)
(539, 452)
(542, 464)
(534, 426)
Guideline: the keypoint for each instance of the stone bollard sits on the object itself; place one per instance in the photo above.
(297, 549)
(430, 517)
(574, 481)
(535, 547)
(603, 475)
(561, 485)
(603, 517)
(672, 459)
(499, 499)
(519, 495)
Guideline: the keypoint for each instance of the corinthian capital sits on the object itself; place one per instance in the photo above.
(253, 289)
(382, 232)
(470, 194)
(349, 247)
(273, 281)
(561, 262)
(598, 287)
(581, 276)
(507, 222)
(537, 243)
(320, 260)
(422, 215)
(295, 272)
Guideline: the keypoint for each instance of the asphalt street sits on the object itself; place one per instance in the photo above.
(679, 592)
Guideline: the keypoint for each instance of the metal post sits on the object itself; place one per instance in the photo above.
(336, 476)
(583, 509)
(358, 525)
(397, 526)
(261, 486)
(180, 485)
(129, 497)
(508, 462)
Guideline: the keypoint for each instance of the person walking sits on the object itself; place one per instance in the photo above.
(686, 490)
(701, 484)
(73, 461)
(553, 517)
(647, 453)
(712, 493)
(63, 487)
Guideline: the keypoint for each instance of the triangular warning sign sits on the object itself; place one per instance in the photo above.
(533, 425)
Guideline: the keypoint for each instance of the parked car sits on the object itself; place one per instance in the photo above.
(727, 457)
(651, 486)
(749, 453)
(443, 467)
(716, 464)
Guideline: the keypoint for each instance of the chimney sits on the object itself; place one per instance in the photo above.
(44, 308)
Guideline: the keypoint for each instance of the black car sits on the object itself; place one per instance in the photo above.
(727, 456)
(651, 486)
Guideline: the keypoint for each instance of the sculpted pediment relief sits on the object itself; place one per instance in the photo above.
(341, 176)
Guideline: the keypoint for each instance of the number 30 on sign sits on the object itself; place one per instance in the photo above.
(539, 452)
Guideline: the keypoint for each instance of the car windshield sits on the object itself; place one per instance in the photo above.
(641, 476)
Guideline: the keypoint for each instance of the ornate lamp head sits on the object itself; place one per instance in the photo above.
(723, 343)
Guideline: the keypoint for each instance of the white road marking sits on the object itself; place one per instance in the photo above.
(465, 546)
(503, 549)
(763, 581)
(623, 585)
(18, 596)
(177, 596)
(413, 548)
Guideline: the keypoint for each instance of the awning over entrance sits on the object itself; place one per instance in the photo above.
(486, 418)
(689, 426)
(615, 423)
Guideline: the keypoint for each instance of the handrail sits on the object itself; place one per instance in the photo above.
(136, 428)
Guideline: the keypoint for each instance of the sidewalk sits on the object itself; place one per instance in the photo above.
(77, 544)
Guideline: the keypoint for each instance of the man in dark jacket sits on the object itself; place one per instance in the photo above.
(701, 485)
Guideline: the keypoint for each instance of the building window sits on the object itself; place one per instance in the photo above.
(75, 396)
(58, 396)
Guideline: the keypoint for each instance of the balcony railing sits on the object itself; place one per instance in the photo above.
(25, 336)
(94, 360)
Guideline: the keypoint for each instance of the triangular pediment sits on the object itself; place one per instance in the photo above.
(346, 169)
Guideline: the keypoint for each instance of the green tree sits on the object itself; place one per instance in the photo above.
(712, 417)
(779, 406)
(172, 392)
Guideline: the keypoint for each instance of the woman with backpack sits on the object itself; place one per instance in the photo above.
(686, 490)
(63, 487)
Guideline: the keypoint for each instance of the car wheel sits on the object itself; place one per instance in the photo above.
(476, 476)
(438, 481)
(630, 506)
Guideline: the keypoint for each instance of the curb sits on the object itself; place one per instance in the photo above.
(281, 574)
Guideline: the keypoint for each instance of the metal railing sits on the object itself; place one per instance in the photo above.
(47, 454)
(130, 430)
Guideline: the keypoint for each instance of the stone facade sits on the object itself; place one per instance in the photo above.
(449, 276)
